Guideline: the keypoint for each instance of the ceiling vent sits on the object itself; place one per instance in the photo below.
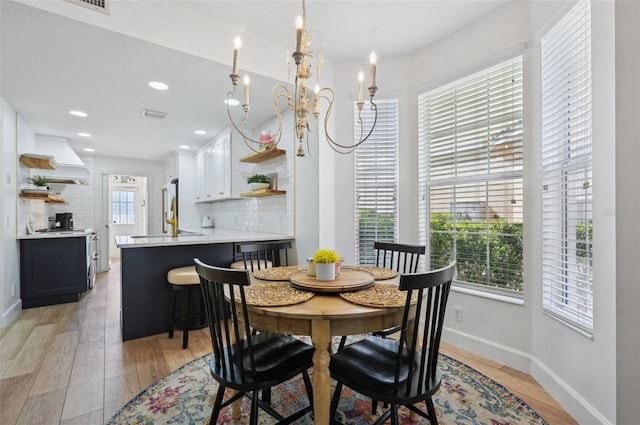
(153, 114)
(97, 5)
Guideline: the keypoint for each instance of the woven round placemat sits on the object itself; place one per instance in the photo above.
(380, 295)
(273, 294)
(277, 273)
(379, 273)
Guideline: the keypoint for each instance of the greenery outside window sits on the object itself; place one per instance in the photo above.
(376, 180)
(470, 176)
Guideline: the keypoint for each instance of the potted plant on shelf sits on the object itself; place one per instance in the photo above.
(258, 181)
(325, 260)
(40, 182)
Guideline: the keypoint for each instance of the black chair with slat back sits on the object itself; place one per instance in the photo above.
(262, 255)
(403, 259)
(244, 361)
(403, 372)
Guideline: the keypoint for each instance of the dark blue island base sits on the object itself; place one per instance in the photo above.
(146, 295)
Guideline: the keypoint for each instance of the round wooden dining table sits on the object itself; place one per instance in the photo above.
(321, 317)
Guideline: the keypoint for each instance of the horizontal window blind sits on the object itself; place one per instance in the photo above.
(567, 169)
(376, 179)
(470, 175)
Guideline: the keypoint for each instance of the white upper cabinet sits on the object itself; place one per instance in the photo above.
(218, 176)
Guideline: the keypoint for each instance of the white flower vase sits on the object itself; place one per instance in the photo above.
(325, 271)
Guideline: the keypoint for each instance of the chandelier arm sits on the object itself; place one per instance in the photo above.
(247, 139)
(340, 148)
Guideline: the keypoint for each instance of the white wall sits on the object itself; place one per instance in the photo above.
(10, 303)
(577, 370)
(627, 137)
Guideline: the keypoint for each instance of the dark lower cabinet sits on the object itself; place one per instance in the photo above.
(52, 270)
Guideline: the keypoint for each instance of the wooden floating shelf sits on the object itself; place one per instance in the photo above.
(44, 197)
(263, 192)
(259, 157)
(43, 163)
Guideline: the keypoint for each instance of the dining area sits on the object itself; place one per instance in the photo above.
(285, 321)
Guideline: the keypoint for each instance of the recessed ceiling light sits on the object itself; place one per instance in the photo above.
(89, 150)
(184, 147)
(232, 102)
(200, 132)
(84, 134)
(158, 85)
(78, 113)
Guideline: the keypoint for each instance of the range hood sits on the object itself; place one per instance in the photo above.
(69, 167)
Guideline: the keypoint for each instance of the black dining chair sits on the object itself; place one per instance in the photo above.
(261, 255)
(403, 372)
(243, 361)
(402, 258)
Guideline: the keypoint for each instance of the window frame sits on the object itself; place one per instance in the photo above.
(567, 163)
(381, 186)
(428, 111)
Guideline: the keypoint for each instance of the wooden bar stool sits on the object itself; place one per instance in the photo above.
(184, 279)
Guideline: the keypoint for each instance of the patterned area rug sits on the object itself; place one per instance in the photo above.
(186, 397)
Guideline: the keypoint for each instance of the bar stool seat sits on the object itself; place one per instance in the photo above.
(184, 279)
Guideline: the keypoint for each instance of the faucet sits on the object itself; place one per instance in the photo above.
(173, 221)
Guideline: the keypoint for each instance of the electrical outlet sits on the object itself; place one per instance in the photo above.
(457, 314)
(13, 289)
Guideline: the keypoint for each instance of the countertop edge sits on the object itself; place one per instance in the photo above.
(61, 234)
(220, 236)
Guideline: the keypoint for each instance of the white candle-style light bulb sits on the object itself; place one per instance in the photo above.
(299, 25)
(360, 80)
(237, 43)
(246, 82)
(316, 89)
(372, 67)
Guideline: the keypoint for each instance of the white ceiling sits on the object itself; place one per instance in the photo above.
(51, 64)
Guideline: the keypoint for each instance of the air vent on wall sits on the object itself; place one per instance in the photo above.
(153, 114)
(97, 5)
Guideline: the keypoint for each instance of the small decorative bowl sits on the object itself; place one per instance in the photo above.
(258, 186)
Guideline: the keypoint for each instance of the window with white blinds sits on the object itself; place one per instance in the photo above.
(376, 180)
(470, 176)
(567, 285)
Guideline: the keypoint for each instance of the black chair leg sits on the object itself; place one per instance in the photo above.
(254, 409)
(343, 340)
(173, 312)
(217, 405)
(266, 395)
(334, 403)
(187, 314)
(432, 411)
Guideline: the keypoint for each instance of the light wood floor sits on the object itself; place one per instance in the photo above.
(67, 364)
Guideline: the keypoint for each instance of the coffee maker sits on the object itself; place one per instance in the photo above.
(65, 220)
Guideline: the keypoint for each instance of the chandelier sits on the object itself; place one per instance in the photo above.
(301, 101)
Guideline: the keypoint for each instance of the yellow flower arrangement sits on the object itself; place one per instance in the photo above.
(326, 256)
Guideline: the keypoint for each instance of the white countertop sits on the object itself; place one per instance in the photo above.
(58, 234)
(206, 236)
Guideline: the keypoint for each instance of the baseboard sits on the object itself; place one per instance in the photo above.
(564, 394)
(8, 316)
(500, 353)
(569, 399)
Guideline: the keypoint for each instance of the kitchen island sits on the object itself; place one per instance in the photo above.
(145, 261)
